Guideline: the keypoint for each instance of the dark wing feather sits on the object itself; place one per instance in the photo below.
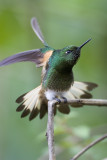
(64, 109)
(32, 55)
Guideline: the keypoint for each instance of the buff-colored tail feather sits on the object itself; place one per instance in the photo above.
(35, 102)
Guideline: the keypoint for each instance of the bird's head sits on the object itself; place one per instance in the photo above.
(66, 58)
(71, 53)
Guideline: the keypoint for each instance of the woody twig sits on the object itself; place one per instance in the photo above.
(50, 124)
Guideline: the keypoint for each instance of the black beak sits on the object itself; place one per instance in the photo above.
(84, 43)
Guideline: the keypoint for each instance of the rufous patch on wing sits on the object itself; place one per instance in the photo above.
(47, 55)
(45, 58)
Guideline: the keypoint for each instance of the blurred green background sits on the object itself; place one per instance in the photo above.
(63, 23)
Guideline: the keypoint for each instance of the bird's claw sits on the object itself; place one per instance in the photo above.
(65, 99)
(58, 100)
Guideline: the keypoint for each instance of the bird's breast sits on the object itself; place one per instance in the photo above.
(57, 81)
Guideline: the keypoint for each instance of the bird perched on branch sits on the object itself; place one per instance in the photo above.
(57, 77)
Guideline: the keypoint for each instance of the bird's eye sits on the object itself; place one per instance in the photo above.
(68, 51)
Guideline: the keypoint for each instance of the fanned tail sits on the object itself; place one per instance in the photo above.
(35, 102)
(80, 90)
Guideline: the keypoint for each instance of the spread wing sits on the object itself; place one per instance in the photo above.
(32, 56)
(36, 29)
(38, 56)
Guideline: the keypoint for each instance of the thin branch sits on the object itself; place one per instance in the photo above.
(91, 102)
(89, 146)
(50, 131)
(50, 124)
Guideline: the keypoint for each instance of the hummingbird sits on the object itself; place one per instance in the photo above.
(57, 79)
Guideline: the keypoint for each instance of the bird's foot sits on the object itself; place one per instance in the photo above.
(65, 99)
(58, 100)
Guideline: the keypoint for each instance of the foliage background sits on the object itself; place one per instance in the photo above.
(63, 23)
